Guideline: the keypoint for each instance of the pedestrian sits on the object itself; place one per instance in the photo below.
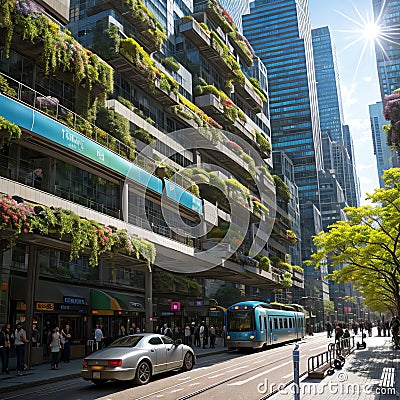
(98, 337)
(66, 339)
(379, 327)
(224, 334)
(132, 329)
(346, 338)
(197, 336)
(5, 344)
(20, 342)
(192, 336)
(34, 178)
(166, 330)
(55, 347)
(212, 337)
(187, 335)
(329, 329)
(138, 330)
(121, 331)
(177, 332)
(35, 338)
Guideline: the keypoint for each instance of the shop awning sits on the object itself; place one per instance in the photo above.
(128, 302)
(102, 303)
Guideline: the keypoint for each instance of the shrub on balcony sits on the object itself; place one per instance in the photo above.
(170, 64)
(241, 115)
(234, 147)
(107, 41)
(125, 103)
(257, 87)
(249, 161)
(5, 87)
(260, 207)
(263, 143)
(238, 39)
(287, 279)
(282, 190)
(297, 268)
(8, 132)
(181, 110)
(264, 263)
(143, 135)
(117, 126)
(291, 237)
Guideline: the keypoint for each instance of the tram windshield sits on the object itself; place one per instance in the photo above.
(240, 320)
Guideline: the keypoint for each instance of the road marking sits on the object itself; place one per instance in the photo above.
(176, 390)
(242, 367)
(215, 376)
(287, 376)
(258, 375)
(184, 379)
(194, 384)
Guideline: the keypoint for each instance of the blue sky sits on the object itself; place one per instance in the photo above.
(359, 84)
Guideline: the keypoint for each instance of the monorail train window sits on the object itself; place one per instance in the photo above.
(265, 323)
(270, 324)
(260, 323)
(280, 323)
(276, 323)
(241, 320)
(285, 324)
(290, 322)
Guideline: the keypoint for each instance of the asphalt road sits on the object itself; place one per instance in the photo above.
(223, 376)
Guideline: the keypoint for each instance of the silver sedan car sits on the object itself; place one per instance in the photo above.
(137, 358)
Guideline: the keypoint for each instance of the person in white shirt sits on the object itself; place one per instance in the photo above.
(98, 336)
(20, 342)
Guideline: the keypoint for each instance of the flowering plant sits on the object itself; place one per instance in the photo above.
(234, 147)
(391, 112)
(15, 215)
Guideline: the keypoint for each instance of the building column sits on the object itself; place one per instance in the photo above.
(125, 203)
(148, 296)
(31, 285)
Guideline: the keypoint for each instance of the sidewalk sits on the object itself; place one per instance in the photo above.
(42, 374)
(358, 379)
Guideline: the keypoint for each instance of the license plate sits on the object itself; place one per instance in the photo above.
(96, 375)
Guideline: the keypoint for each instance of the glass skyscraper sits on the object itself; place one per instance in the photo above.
(387, 14)
(385, 158)
(331, 113)
(280, 33)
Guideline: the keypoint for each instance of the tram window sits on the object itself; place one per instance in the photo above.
(270, 324)
(276, 323)
(265, 322)
(280, 323)
(285, 324)
(260, 322)
(290, 322)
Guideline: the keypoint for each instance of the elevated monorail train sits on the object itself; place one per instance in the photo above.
(254, 324)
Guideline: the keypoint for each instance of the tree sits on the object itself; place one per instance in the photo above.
(329, 308)
(367, 246)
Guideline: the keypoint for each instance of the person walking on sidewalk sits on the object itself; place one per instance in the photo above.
(5, 344)
(329, 329)
(20, 342)
(55, 347)
(212, 337)
(66, 339)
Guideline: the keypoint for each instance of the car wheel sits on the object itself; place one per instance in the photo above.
(99, 382)
(143, 373)
(187, 362)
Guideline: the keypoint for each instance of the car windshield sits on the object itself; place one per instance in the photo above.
(126, 341)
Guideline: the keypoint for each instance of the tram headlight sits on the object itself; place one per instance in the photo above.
(252, 337)
(228, 338)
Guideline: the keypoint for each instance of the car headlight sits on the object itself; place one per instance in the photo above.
(252, 337)
(228, 338)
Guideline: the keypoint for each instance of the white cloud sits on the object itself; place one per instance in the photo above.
(349, 97)
(367, 79)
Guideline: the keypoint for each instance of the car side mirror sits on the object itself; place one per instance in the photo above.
(177, 342)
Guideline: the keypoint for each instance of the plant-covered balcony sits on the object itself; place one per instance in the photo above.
(215, 13)
(8, 132)
(82, 235)
(131, 59)
(25, 27)
(248, 93)
(242, 47)
(149, 31)
(282, 190)
(195, 32)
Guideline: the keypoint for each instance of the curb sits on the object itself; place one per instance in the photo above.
(74, 375)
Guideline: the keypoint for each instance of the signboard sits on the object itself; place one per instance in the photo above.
(44, 306)
(167, 313)
(175, 306)
(74, 300)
